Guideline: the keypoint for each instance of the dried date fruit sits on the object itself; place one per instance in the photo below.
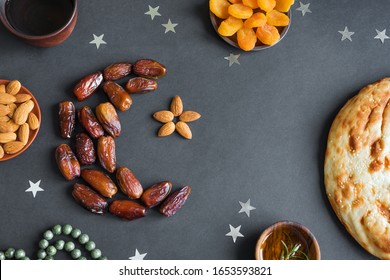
(67, 115)
(175, 201)
(85, 150)
(155, 194)
(87, 86)
(89, 199)
(100, 182)
(117, 71)
(108, 118)
(106, 153)
(149, 68)
(128, 183)
(127, 210)
(90, 123)
(117, 95)
(67, 162)
(140, 85)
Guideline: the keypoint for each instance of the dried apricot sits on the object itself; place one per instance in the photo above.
(250, 3)
(240, 11)
(235, 1)
(276, 18)
(219, 8)
(266, 5)
(268, 34)
(230, 26)
(246, 39)
(256, 20)
(284, 5)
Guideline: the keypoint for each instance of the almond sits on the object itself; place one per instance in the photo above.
(7, 137)
(33, 121)
(13, 147)
(184, 130)
(21, 113)
(163, 116)
(6, 98)
(1, 152)
(24, 133)
(4, 110)
(189, 116)
(2, 89)
(166, 129)
(176, 106)
(12, 108)
(4, 119)
(9, 126)
(13, 87)
(22, 97)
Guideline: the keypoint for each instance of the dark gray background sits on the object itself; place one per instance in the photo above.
(262, 134)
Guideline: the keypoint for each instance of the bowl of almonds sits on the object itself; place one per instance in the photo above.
(20, 119)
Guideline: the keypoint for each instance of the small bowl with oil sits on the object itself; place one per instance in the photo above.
(286, 240)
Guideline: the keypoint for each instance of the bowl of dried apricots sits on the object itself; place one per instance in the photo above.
(251, 25)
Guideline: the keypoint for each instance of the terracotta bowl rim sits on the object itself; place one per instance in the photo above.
(257, 48)
(22, 35)
(293, 224)
(35, 133)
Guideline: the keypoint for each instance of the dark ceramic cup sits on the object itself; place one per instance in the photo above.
(42, 23)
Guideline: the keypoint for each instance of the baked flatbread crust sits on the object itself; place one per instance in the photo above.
(357, 167)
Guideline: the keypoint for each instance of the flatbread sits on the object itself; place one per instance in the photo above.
(357, 167)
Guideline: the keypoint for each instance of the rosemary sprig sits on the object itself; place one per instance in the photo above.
(292, 251)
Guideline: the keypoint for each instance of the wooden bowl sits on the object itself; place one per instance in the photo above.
(232, 40)
(269, 245)
(33, 133)
(46, 40)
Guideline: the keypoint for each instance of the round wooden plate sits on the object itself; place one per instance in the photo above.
(36, 110)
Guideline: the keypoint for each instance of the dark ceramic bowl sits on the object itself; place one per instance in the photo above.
(47, 40)
(272, 236)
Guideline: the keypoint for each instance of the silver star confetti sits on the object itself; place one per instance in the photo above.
(304, 8)
(246, 207)
(346, 34)
(381, 35)
(232, 58)
(153, 12)
(98, 40)
(138, 256)
(34, 188)
(169, 26)
(234, 232)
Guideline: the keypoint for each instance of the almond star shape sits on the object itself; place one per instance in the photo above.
(168, 118)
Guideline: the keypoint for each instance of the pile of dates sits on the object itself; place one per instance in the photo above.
(96, 143)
